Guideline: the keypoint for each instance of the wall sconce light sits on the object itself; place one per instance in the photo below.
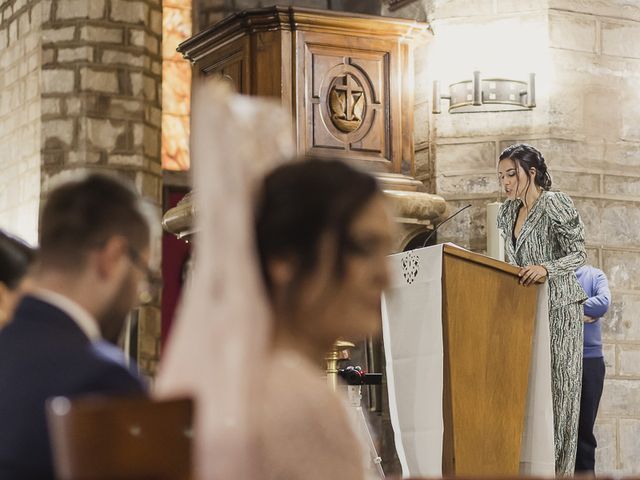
(487, 95)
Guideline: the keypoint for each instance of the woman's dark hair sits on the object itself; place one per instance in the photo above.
(15, 258)
(527, 157)
(300, 202)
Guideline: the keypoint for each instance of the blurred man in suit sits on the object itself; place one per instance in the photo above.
(92, 267)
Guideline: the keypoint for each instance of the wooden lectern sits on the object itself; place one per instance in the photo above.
(488, 325)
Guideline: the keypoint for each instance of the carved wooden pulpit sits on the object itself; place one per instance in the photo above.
(346, 79)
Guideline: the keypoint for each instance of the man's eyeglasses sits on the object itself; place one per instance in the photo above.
(153, 279)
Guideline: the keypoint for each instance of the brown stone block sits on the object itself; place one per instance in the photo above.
(423, 163)
(149, 186)
(58, 81)
(466, 157)
(462, 8)
(122, 58)
(74, 55)
(623, 156)
(606, 453)
(126, 11)
(565, 152)
(421, 123)
(56, 35)
(609, 354)
(151, 144)
(623, 269)
(621, 39)
(606, 8)
(491, 124)
(49, 106)
(468, 229)
(463, 184)
(602, 120)
(155, 21)
(517, 6)
(575, 182)
(621, 321)
(149, 87)
(60, 129)
(622, 185)
(98, 80)
(572, 32)
(101, 133)
(126, 108)
(68, 9)
(629, 359)
(95, 34)
(620, 398)
(630, 445)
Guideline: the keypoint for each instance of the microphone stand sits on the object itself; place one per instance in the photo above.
(442, 223)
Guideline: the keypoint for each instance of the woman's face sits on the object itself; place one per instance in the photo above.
(513, 179)
(348, 306)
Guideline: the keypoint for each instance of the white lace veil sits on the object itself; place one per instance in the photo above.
(218, 343)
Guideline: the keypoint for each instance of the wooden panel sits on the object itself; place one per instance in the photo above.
(267, 58)
(488, 321)
(347, 97)
(231, 63)
(129, 437)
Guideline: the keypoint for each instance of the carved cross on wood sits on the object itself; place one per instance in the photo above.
(352, 92)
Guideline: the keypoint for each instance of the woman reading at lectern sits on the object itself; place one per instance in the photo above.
(544, 235)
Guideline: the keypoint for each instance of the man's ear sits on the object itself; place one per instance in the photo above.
(108, 257)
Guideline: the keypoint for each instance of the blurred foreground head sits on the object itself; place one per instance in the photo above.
(15, 259)
(95, 236)
(323, 234)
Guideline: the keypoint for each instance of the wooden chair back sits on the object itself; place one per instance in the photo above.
(120, 438)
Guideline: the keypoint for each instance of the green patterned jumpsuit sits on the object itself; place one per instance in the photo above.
(553, 236)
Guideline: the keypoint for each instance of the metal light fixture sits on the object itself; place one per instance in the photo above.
(487, 95)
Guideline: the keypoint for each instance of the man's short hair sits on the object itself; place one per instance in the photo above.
(82, 215)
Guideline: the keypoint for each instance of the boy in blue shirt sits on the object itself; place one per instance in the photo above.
(595, 284)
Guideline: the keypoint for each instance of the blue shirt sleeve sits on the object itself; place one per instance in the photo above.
(598, 304)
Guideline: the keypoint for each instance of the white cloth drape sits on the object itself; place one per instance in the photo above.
(218, 343)
(412, 330)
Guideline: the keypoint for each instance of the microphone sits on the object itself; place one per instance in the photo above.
(441, 223)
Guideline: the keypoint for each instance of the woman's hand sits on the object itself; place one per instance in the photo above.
(531, 274)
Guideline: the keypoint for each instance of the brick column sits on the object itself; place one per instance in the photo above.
(20, 117)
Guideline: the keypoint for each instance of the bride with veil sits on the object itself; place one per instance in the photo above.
(288, 257)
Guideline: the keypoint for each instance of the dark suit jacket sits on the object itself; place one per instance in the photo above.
(43, 353)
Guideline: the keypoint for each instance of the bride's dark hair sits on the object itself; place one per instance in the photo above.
(299, 203)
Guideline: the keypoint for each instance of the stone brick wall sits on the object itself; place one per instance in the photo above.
(20, 117)
(586, 57)
(595, 120)
(101, 105)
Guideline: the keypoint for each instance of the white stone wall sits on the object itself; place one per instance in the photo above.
(587, 57)
(20, 117)
(595, 56)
